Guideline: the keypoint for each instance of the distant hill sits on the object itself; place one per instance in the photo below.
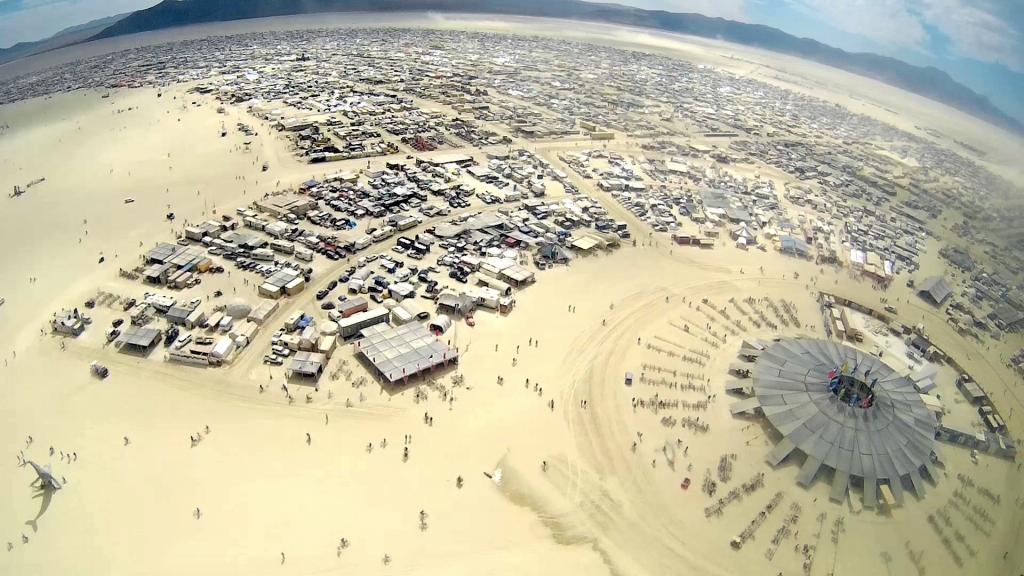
(926, 81)
(65, 37)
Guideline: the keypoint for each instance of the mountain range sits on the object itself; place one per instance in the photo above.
(929, 82)
(66, 37)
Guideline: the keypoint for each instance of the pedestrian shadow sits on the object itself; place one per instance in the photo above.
(46, 494)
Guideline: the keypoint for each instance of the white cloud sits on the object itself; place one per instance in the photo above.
(977, 30)
(886, 22)
(984, 30)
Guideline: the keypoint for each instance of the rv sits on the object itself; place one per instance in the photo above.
(406, 223)
(262, 254)
(304, 254)
(282, 246)
(363, 242)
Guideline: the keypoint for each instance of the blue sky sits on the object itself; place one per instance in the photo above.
(978, 42)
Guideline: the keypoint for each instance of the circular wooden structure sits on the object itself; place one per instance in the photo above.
(819, 409)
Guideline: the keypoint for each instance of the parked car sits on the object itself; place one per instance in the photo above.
(99, 370)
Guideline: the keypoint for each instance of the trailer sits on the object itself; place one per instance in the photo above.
(351, 326)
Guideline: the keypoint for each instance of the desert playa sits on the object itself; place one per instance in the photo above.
(583, 420)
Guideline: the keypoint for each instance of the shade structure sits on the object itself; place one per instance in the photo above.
(404, 351)
(139, 338)
(888, 442)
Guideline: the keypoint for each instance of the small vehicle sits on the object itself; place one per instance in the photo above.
(112, 334)
(327, 306)
(218, 294)
(321, 294)
(171, 336)
(117, 322)
(890, 309)
(195, 302)
(266, 166)
(127, 305)
(90, 303)
(182, 242)
(686, 483)
(170, 216)
(183, 341)
(129, 200)
(629, 378)
(273, 359)
(98, 370)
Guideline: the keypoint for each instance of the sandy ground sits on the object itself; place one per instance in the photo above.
(599, 507)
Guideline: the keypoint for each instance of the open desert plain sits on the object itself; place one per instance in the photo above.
(465, 296)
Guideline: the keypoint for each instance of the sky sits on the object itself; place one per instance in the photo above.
(978, 42)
